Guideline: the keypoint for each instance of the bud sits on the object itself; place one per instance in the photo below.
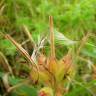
(46, 91)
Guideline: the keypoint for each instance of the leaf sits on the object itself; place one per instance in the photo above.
(26, 90)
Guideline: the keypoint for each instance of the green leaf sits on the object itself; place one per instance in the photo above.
(26, 91)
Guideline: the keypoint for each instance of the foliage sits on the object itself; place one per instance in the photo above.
(75, 33)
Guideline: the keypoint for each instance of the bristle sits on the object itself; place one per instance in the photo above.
(21, 49)
(52, 37)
